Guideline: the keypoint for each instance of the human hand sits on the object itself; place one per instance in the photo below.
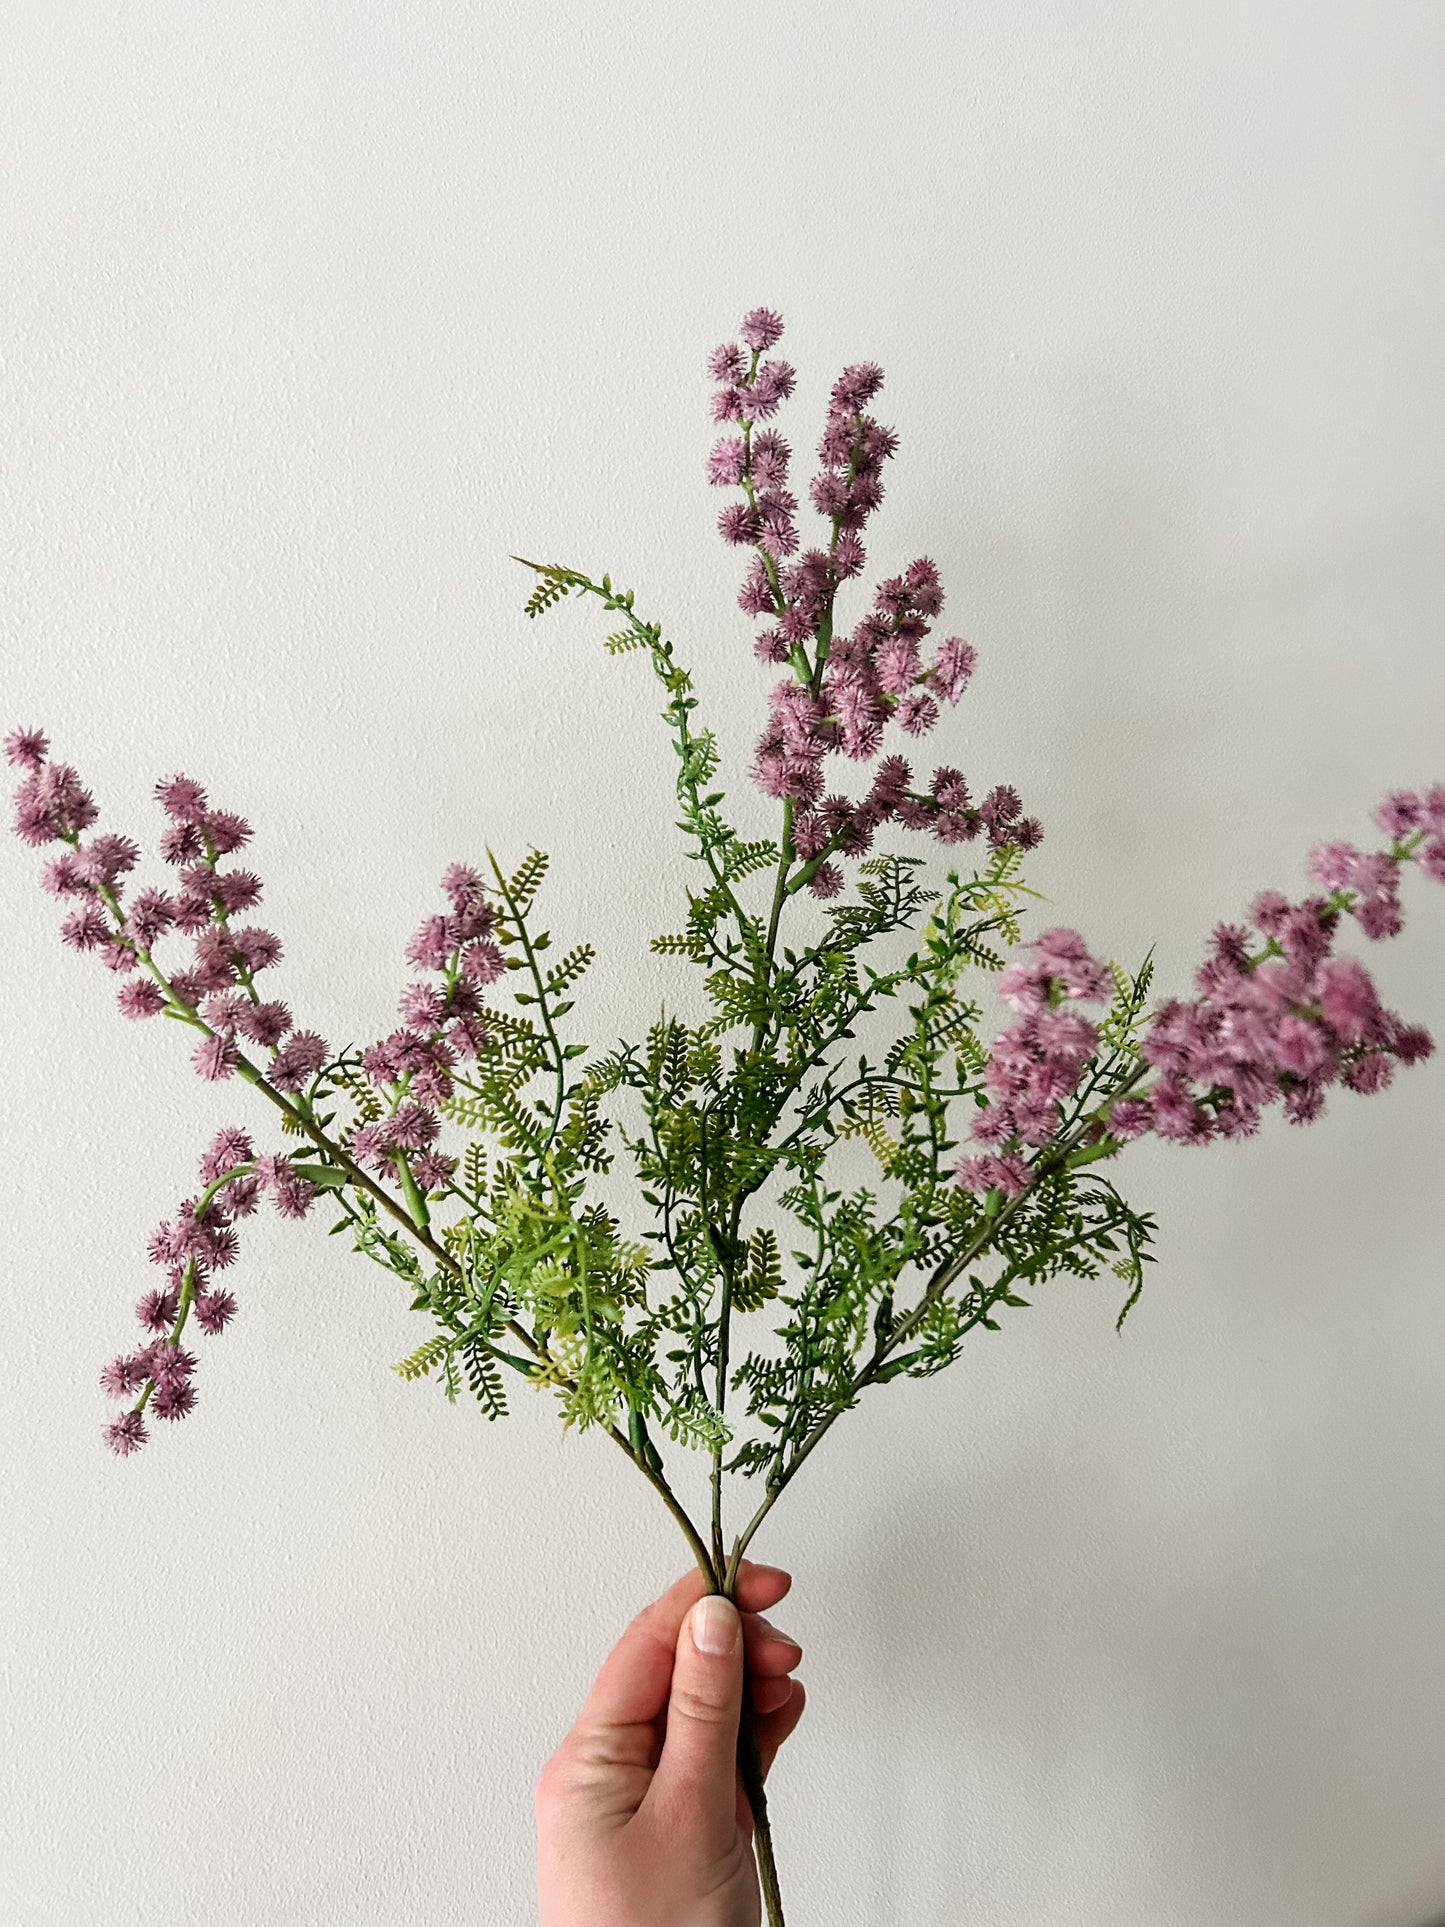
(642, 1820)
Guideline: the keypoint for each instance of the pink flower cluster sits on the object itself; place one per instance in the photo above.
(1038, 1063)
(217, 981)
(199, 1241)
(840, 698)
(442, 1024)
(413, 1069)
(1280, 1017)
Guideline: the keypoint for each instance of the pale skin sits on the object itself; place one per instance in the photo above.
(641, 1817)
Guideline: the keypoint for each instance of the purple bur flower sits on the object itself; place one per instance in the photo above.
(1037, 1064)
(190, 1247)
(843, 690)
(1281, 1022)
(1279, 1017)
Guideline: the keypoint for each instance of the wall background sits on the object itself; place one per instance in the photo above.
(311, 314)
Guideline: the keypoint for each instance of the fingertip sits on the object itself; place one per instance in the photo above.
(769, 1695)
(760, 1586)
(775, 1727)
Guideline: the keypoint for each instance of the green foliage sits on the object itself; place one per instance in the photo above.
(804, 1064)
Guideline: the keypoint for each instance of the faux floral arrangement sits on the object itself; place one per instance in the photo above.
(753, 1292)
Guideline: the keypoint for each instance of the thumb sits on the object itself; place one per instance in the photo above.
(696, 1778)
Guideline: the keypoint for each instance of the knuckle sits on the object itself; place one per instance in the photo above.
(688, 1703)
(553, 1782)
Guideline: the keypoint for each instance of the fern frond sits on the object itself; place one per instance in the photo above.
(763, 1278)
(426, 1356)
(524, 885)
(485, 1379)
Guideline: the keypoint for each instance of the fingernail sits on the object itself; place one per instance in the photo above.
(715, 1625)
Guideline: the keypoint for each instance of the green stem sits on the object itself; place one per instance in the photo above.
(945, 1275)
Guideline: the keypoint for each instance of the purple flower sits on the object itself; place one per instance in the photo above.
(857, 384)
(214, 1311)
(298, 1060)
(118, 955)
(214, 961)
(771, 456)
(1007, 1173)
(954, 667)
(26, 748)
(142, 998)
(264, 1024)
(221, 1246)
(1305, 1102)
(1379, 917)
(1130, 1117)
(62, 877)
(227, 832)
(182, 843)
(174, 1398)
(482, 963)
(726, 462)
(238, 891)
(423, 1006)
(1334, 865)
(226, 1010)
(241, 1196)
(168, 1363)
(258, 949)
(181, 799)
(468, 1036)
(215, 1058)
(1347, 997)
(294, 1198)
(193, 913)
(273, 1170)
(1299, 1048)
(1400, 812)
(739, 522)
(1369, 1073)
(433, 1170)
(1411, 1043)
(462, 885)
(433, 944)
(85, 929)
(229, 1147)
(151, 915)
(126, 1434)
(917, 713)
(369, 1147)
(412, 1127)
(1268, 912)
(773, 383)
(762, 328)
(106, 857)
(157, 1310)
(123, 1377)
(727, 363)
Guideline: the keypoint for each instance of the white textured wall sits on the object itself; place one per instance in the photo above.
(311, 314)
